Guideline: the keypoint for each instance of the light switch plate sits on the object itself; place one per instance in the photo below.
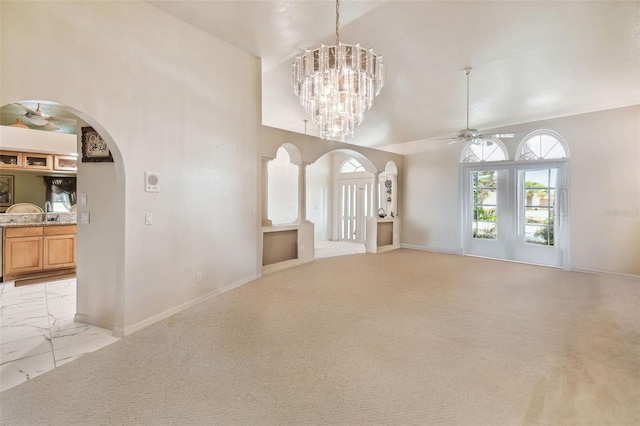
(83, 199)
(84, 218)
(148, 218)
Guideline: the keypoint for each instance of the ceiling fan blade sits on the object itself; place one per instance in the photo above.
(440, 139)
(498, 135)
(455, 141)
(50, 126)
(25, 109)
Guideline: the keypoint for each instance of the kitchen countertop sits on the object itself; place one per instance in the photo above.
(42, 223)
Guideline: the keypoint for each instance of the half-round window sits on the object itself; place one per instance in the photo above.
(542, 145)
(492, 150)
(351, 165)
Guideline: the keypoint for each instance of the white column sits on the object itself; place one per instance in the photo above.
(302, 192)
(265, 192)
(375, 189)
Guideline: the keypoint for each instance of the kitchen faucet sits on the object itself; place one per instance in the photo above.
(47, 208)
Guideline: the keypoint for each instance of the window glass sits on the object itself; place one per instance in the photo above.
(485, 204)
(541, 146)
(540, 194)
(351, 165)
(493, 150)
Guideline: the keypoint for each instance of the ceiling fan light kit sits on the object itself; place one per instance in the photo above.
(336, 85)
(38, 118)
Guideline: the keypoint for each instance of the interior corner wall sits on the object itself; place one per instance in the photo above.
(604, 190)
(429, 203)
(181, 113)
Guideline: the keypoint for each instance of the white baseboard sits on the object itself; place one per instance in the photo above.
(107, 324)
(613, 274)
(423, 248)
(286, 264)
(169, 312)
(588, 271)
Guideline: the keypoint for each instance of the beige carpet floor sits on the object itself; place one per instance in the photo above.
(401, 338)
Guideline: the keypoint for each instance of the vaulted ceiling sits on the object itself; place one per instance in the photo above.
(531, 60)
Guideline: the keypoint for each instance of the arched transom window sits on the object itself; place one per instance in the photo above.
(492, 150)
(541, 145)
(351, 165)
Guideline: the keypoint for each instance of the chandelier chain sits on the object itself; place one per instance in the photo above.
(337, 22)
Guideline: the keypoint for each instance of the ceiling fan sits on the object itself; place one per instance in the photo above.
(473, 135)
(38, 117)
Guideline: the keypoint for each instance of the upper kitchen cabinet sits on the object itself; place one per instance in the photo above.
(10, 160)
(37, 161)
(65, 163)
(34, 161)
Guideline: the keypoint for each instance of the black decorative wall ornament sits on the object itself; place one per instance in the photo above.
(94, 148)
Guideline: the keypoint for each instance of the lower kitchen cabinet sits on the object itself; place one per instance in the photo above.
(39, 250)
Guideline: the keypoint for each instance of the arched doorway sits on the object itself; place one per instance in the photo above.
(95, 294)
(339, 200)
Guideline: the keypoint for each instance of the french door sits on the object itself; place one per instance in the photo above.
(354, 206)
(516, 211)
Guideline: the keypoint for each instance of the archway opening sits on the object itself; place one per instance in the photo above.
(50, 133)
(339, 200)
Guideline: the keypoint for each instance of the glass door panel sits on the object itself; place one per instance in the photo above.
(355, 205)
(511, 212)
(538, 190)
(485, 204)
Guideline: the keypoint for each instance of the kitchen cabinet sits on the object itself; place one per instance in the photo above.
(10, 160)
(65, 162)
(39, 250)
(38, 161)
(22, 250)
(59, 247)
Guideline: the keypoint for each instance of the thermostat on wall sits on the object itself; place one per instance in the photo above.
(152, 182)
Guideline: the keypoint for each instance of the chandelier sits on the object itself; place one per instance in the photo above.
(336, 84)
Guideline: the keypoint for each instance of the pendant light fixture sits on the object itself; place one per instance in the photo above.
(337, 84)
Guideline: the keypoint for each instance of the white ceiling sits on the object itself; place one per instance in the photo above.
(531, 60)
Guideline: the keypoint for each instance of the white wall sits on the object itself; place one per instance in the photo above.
(31, 140)
(311, 150)
(170, 99)
(283, 189)
(605, 190)
(319, 196)
(430, 200)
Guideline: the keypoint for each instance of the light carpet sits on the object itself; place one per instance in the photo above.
(401, 338)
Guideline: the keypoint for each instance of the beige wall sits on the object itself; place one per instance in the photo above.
(605, 190)
(169, 99)
(29, 187)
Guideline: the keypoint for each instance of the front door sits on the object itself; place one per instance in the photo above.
(354, 207)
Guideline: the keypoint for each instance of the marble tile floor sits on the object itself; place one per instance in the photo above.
(336, 248)
(38, 332)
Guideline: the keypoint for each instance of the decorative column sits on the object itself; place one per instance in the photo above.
(302, 192)
(265, 192)
(375, 189)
